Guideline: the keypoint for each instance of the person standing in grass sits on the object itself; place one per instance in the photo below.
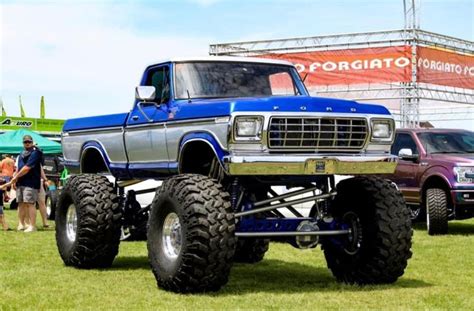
(28, 183)
(7, 167)
(42, 198)
(3, 221)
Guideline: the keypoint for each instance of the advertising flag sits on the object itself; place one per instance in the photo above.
(22, 111)
(42, 108)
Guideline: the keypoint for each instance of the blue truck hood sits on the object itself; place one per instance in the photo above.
(204, 108)
(223, 107)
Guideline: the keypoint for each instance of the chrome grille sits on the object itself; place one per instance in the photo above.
(323, 134)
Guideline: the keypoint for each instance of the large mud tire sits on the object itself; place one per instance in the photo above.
(251, 250)
(94, 242)
(436, 211)
(384, 232)
(51, 202)
(191, 239)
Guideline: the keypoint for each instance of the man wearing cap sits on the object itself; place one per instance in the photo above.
(28, 183)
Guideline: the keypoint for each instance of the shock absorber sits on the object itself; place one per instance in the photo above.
(234, 193)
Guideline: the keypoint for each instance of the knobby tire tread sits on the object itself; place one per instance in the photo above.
(209, 247)
(386, 233)
(99, 221)
(437, 203)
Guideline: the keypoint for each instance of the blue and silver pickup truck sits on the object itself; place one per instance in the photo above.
(220, 132)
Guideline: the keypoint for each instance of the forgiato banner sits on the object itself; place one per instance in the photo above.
(354, 66)
(445, 68)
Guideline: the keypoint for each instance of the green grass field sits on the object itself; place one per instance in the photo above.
(439, 276)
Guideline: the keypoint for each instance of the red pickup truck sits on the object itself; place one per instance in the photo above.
(436, 174)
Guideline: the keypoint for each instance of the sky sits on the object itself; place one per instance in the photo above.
(86, 57)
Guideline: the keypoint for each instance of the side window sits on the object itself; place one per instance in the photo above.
(159, 78)
(403, 141)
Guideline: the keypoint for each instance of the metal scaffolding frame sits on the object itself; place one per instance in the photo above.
(414, 99)
(340, 41)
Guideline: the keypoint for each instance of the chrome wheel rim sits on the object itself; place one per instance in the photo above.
(124, 233)
(71, 223)
(48, 207)
(354, 239)
(414, 212)
(172, 238)
(427, 216)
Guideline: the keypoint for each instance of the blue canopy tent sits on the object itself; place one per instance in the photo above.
(12, 142)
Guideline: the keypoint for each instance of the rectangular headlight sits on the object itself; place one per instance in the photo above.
(248, 128)
(464, 174)
(382, 130)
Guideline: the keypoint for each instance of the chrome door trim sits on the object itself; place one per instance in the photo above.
(95, 130)
(180, 122)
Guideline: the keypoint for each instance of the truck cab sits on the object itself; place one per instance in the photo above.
(245, 112)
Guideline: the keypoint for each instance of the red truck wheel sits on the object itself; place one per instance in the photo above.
(436, 211)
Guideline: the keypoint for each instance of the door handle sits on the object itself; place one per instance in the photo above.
(135, 118)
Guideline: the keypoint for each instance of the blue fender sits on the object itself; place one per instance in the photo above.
(118, 170)
(204, 137)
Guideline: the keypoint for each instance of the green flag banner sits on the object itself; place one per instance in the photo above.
(42, 108)
(22, 111)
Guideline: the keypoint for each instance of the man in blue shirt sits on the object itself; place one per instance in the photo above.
(28, 183)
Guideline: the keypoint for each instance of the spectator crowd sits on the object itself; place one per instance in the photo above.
(25, 179)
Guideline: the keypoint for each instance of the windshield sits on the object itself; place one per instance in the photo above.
(234, 79)
(449, 142)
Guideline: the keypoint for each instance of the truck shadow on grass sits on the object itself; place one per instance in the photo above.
(459, 228)
(130, 263)
(454, 228)
(273, 275)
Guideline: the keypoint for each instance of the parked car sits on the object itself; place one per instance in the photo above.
(53, 169)
(221, 132)
(435, 173)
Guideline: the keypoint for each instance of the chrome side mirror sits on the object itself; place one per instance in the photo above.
(145, 93)
(407, 154)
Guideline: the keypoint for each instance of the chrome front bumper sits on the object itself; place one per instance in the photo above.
(310, 164)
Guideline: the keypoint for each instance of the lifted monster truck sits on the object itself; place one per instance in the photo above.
(220, 132)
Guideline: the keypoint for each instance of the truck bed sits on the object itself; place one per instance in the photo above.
(96, 122)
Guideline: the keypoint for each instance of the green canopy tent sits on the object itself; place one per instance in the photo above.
(12, 142)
